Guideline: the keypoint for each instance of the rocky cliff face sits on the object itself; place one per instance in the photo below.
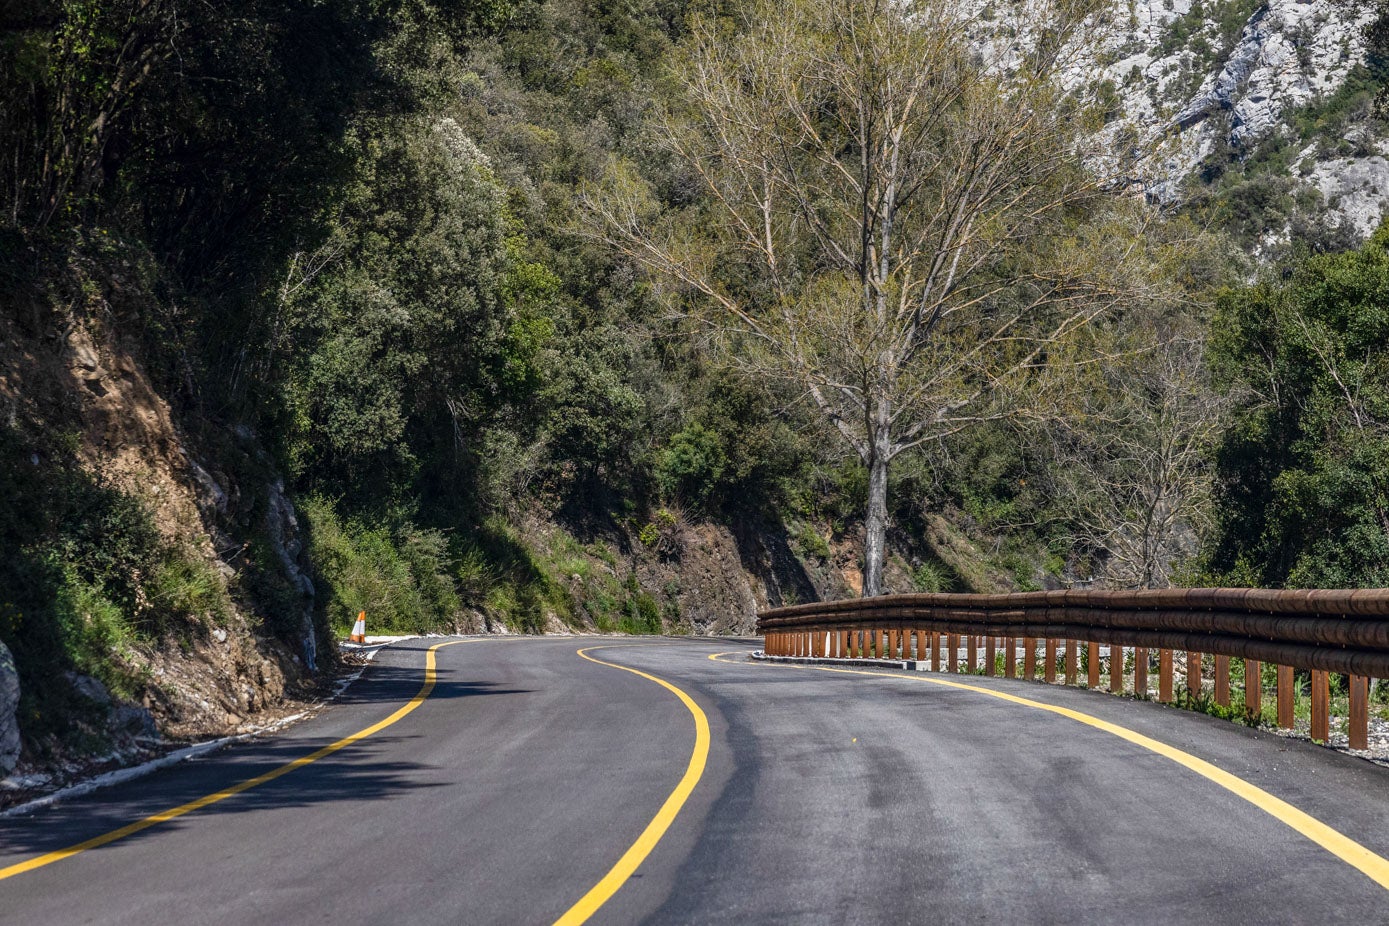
(1221, 77)
(1288, 59)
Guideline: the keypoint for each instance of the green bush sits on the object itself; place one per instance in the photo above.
(402, 580)
(691, 465)
(933, 576)
(98, 637)
(186, 585)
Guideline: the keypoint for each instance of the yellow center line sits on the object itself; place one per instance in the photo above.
(627, 865)
(1337, 843)
(208, 800)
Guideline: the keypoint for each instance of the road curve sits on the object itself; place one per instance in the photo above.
(511, 791)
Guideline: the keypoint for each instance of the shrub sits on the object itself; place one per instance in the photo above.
(691, 465)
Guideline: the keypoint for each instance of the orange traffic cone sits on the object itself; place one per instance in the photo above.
(359, 629)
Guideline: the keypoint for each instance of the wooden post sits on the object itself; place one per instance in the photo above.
(1010, 655)
(1049, 653)
(1358, 727)
(990, 656)
(1072, 661)
(1222, 680)
(1193, 673)
(972, 653)
(1140, 671)
(1253, 686)
(1092, 673)
(935, 651)
(1321, 706)
(1285, 697)
(952, 655)
(1029, 658)
(1165, 675)
(1116, 668)
(816, 642)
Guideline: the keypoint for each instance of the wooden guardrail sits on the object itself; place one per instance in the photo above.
(1321, 631)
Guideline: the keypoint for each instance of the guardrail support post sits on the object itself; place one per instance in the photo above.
(952, 656)
(936, 642)
(972, 653)
(1092, 665)
(1029, 658)
(842, 647)
(1165, 675)
(1321, 706)
(1193, 673)
(894, 644)
(990, 656)
(1049, 654)
(1140, 671)
(1010, 655)
(1285, 697)
(1222, 680)
(1358, 728)
(1072, 660)
(1253, 686)
(1116, 668)
(923, 646)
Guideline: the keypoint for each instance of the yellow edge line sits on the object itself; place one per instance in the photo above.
(1337, 843)
(206, 801)
(627, 865)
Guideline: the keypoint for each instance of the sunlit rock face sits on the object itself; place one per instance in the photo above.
(1220, 76)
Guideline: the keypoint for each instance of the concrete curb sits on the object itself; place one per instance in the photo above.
(908, 665)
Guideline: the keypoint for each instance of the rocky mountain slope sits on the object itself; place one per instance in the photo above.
(1228, 76)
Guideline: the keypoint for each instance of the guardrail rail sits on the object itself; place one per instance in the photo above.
(1320, 631)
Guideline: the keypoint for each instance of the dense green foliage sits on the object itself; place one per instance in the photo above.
(345, 240)
(1302, 496)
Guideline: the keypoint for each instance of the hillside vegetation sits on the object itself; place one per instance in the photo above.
(305, 311)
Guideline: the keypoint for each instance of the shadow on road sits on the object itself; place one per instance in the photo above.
(363, 772)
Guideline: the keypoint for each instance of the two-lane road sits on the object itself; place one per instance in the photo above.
(512, 789)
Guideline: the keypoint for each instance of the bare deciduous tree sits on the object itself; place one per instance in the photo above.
(901, 222)
(1133, 459)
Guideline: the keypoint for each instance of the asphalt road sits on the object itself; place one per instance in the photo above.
(831, 798)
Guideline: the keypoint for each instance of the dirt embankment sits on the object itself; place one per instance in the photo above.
(195, 652)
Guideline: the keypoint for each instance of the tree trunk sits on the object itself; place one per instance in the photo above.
(875, 525)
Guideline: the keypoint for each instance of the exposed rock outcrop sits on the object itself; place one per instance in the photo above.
(1224, 75)
(9, 710)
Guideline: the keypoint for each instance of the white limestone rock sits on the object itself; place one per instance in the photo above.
(1356, 190)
